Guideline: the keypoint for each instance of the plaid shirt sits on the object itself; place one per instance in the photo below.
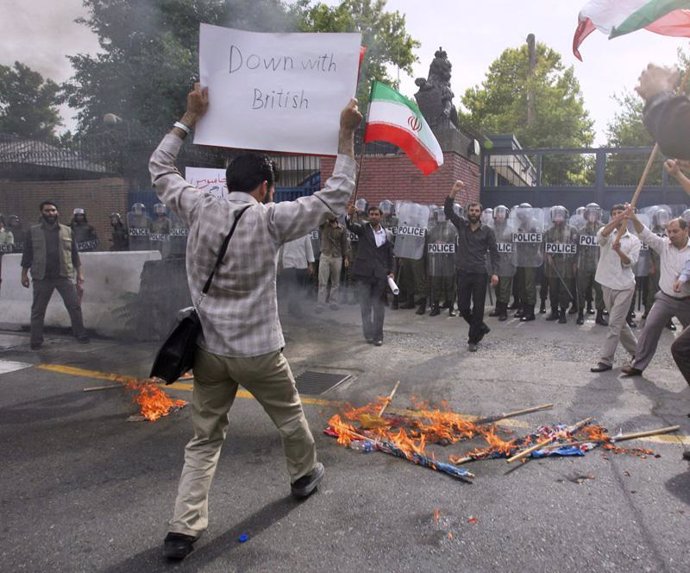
(239, 315)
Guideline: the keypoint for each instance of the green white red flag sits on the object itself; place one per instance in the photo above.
(396, 119)
(618, 17)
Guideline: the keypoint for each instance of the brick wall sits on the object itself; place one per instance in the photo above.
(99, 197)
(395, 177)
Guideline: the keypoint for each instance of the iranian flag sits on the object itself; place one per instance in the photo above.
(618, 17)
(396, 119)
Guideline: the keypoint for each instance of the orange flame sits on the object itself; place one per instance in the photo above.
(596, 433)
(346, 432)
(153, 401)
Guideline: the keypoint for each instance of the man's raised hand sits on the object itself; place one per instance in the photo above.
(350, 117)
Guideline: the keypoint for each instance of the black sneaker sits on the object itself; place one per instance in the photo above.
(177, 546)
(306, 485)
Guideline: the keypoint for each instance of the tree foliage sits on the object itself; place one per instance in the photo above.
(28, 103)
(626, 128)
(383, 34)
(149, 56)
(500, 105)
(149, 50)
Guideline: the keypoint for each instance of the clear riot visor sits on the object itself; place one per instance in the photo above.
(592, 215)
(500, 214)
(361, 205)
(558, 215)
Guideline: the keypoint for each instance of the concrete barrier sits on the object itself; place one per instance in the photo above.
(110, 280)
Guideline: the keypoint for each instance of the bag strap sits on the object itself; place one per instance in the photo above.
(221, 253)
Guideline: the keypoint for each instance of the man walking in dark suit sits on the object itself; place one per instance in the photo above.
(371, 269)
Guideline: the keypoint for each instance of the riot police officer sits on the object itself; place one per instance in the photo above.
(560, 250)
(587, 261)
(119, 235)
(506, 260)
(84, 234)
(441, 246)
(160, 230)
(139, 228)
(528, 227)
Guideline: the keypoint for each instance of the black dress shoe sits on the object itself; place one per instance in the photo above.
(600, 367)
(177, 546)
(378, 343)
(483, 331)
(670, 325)
(306, 485)
(631, 371)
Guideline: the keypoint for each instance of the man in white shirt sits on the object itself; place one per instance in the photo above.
(674, 252)
(681, 345)
(295, 263)
(619, 252)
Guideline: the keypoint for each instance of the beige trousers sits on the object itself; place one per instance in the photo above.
(617, 302)
(329, 267)
(216, 378)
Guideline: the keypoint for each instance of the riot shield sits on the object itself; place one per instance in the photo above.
(160, 235)
(178, 236)
(588, 247)
(644, 263)
(506, 248)
(659, 216)
(85, 237)
(527, 224)
(413, 222)
(139, 228)
(560, 244)
(441, 247)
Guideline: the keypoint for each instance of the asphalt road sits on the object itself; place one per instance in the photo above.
(84, 489)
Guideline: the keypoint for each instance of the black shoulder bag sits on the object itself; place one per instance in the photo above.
(176, 355)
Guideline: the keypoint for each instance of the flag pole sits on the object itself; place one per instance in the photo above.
(364, 145)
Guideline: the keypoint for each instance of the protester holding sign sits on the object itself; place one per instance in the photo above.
(242, 338)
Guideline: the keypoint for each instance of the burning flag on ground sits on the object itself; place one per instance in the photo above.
(396, 119)
(618, 17)
(560, 440)
(407, 435)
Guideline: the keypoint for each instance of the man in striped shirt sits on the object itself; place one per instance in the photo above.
(242, 339)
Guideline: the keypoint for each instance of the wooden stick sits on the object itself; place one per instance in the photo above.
(99, 388)
(647, 168)
(571, 430)
(464, 460)
(612, 439)
(504, 415)
(636, 435)
(389, 399)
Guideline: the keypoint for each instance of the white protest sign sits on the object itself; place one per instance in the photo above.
(275, 92)
(208, 180)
